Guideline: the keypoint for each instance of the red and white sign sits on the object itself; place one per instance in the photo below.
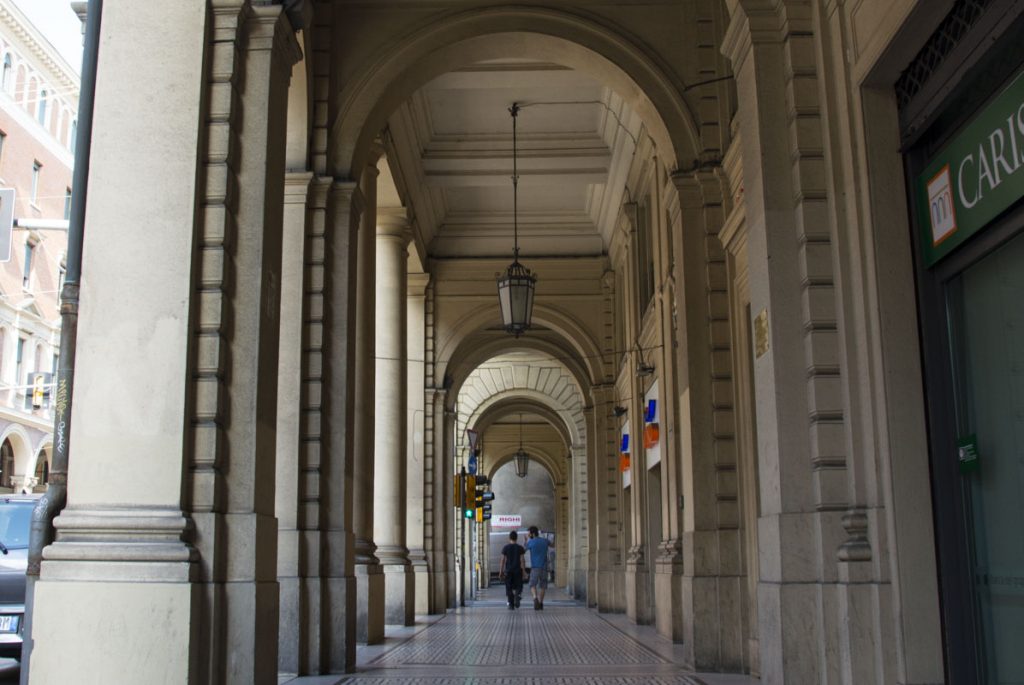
(506, 521)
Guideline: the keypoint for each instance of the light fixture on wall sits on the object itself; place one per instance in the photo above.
(522, 459)
(516, 285)
(643, 369)
(618, 410)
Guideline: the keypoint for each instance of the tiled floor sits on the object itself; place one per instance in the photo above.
(487, 644)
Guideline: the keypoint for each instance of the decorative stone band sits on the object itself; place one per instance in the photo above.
(120, 544)
(393, 555)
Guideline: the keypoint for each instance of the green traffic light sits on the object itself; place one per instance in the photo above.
(468, 513)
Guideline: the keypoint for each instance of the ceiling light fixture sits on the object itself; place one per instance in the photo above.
(521, 458)
(516, 285)
(643, 369)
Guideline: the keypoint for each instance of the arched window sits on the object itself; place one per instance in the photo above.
(41, 110)
(32, 96)
(42, 473)
(6, 464)
(5, 79)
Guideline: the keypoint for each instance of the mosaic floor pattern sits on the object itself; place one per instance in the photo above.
(487, 644)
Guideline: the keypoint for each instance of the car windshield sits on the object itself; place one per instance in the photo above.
(15, 521)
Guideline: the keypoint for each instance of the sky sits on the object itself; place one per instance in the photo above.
(57, 21)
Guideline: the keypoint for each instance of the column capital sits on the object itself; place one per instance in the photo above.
(418, 283)
(394, 224)
(347, 192)
(267, 28)
(699, 187)
(297, 186)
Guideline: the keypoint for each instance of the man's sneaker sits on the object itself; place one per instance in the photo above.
(536, 604)
(510, 605)
(518, 598)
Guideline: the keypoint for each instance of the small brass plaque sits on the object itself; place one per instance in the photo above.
(761, 333)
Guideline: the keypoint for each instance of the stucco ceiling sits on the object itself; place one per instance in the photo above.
(452, 158)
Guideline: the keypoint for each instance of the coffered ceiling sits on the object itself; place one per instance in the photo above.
(452, 157)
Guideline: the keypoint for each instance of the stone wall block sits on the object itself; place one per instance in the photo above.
(718, 305)
(309, 480)
(313, 332)
(828, 439)
(829, 480)
(723, 423)
(721, 364)
(807, 135)
(825, 394)
(314, 277)
(819, 306)
(816, 265)
(314, 306)
(310, 422)
(208, 400)
(725, 451)
(215, 219)
(313, 364)
(209, 354)
(811, 179)
(721, 393)
(213, 267)
(730, 554)
(217, 182)
(728, 512)
(311, 394)
(725, 477)
(822, 349)
(803, 95)
(797, 532)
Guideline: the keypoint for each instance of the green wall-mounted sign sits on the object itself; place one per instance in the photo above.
(975, 177)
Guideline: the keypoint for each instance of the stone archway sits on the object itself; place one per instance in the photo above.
(406, 61)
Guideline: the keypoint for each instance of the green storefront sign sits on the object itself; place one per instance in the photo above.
(975, 177)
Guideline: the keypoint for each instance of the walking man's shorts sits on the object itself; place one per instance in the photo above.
(538, 577)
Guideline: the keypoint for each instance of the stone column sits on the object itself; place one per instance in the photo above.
(289, 400)
(344, 209)
(249, 533)
(710, 585)
(369, 575)
(122, 556)
(442, 550)
(389, 531)
(418, 481)
(801, 421)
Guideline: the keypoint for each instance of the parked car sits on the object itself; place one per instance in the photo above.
(15, 522)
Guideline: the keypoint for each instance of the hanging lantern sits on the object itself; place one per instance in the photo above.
(516, 285)
(521, 458)
(515, 295)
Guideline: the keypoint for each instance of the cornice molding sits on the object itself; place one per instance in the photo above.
(17, 26)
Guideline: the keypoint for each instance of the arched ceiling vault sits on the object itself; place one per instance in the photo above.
(474, 339)
(405, 62)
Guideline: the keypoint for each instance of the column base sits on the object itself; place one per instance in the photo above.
(638, 601)
(369, 604)
(399, 594)
(113, 630)
(421, 573)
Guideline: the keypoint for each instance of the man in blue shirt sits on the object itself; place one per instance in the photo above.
(537, 547)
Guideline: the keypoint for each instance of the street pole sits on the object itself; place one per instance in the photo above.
(53, 501)
(462, 536)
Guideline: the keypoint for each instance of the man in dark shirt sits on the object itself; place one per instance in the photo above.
(512, 569)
